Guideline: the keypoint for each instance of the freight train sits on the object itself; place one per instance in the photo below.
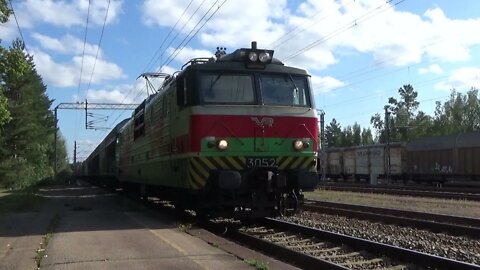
(452, 158)
(231, 136)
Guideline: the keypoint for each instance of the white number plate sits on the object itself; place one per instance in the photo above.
(264, 162)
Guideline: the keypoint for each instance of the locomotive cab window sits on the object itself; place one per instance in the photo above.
(182, 93)
(284, 90)
(227, 88)
(139, 121)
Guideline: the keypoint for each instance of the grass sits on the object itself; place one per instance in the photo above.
(259, 265)
(19, 201)
(183, 226)
(421, 204)
(42, 250)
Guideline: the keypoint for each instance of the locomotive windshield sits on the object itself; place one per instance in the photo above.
(274, 89)
(227, 88)
(284, 89)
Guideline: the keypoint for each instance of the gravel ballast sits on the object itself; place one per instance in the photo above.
(454, 247)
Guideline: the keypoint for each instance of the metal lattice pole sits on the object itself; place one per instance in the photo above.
(84, 106)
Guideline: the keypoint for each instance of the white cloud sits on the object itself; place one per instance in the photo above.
(434, 69)
(67, 74)
(9, 29)
(128, 93)
(325, 84)
(66, 13)
(68, 44)
(392, 37)
(60, 75)
(186, 54)
(461, 79)
(113, 96)
(104, 70)
(456, 36)
(228, 26)
(169, 70)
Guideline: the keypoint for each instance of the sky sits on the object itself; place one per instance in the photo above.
(358, 52)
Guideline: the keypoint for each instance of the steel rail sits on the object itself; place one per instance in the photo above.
(459, 220)
(415, 193)
(431, 222)
(418, 187)
(402, 254)
(285, 254)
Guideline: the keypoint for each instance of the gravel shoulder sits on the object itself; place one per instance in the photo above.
(428, 205)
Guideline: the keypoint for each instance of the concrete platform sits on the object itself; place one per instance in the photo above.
(96, 229)
(20, 237)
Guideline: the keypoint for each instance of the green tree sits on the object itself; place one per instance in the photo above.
(4, 113)
(403, 113)
(367, 137)
(348, 137)
(333, 134)
(402, 120)
(379, 125)
(472, 110)
(422, 126)
(4, 11)
(357, 134)
(28, 137)
(460, 113)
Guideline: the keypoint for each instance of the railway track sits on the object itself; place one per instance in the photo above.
(311, 248)
(453, 225)
(443, 193)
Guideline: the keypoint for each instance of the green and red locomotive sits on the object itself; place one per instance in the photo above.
(232, 136)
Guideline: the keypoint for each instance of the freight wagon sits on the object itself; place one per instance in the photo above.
(454, 158)
(363, 161)
(445, 158)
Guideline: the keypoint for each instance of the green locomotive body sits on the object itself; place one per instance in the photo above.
(233, 136)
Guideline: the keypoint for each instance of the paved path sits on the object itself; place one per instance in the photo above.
(96, 229)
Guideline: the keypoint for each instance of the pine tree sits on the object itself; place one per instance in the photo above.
(4, 11)
(4, 113)
(333, 133)
(27, 140)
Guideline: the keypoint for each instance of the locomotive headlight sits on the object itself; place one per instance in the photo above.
(222, 145)
(264, 57)
(298, 145)
(253, 56)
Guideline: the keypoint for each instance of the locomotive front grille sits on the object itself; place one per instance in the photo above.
(200, 168)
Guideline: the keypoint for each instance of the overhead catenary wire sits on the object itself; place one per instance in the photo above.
(284, 39)
(380, 65)
(81, 67)
(84, 45)
(178, 33)
(189, 36)
(356, 100)
(152, 61)
(366, 70)
(98, 46)
(172, 56)
(370, 14)
(417, 85)
(18, 27)
(159, 57)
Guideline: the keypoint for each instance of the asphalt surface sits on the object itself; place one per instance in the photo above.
(93, 228)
